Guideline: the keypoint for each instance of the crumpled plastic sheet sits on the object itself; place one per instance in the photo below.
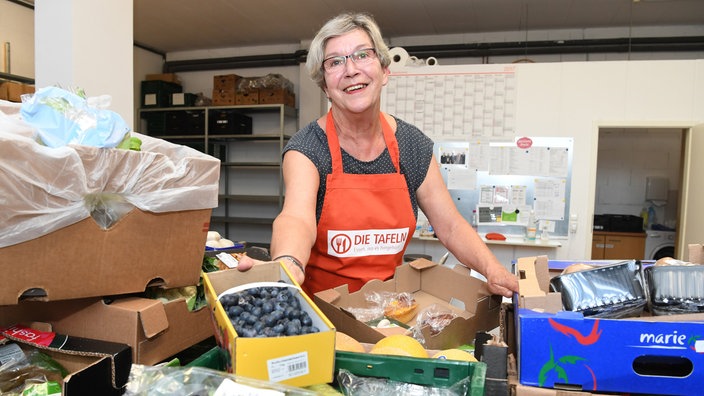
(43, 189)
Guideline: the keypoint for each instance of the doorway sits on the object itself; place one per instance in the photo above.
(628, 159)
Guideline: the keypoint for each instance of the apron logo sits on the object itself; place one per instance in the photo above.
(340, 243)
(360, 243)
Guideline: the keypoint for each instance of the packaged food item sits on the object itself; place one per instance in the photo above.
(609, 291)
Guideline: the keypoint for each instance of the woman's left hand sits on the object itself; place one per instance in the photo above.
(501, 282)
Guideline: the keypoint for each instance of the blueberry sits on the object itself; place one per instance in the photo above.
(306, 319)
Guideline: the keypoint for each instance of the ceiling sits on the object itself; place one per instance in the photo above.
(182, 25)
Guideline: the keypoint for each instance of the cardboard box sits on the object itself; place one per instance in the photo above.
(430, 283)
(565, 350)
(225, 82)
(12, 91)
(277, 96)
(154, 330)
(247, 98)
(95, 367)
(224, 97)
(168, 77)
(301, 360)
(84, 260)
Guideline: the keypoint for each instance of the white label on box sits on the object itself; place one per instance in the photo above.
(229, 260)
(286, 367)
(150, 99)
(229, 387)
(360, 243)
(178, 99)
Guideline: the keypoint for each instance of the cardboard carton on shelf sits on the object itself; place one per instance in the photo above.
(155, 330)
(95, 367)
(298, 360)
(643, 354)
(451, 288)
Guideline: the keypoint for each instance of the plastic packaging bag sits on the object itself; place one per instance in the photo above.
(183, 381)
(31, 370)
(352, 385)
(45, 189)
(62, 117)
(435, 317)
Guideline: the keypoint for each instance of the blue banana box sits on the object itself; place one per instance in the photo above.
(565, 350)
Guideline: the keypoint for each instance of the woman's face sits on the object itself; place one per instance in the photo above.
(354, 86)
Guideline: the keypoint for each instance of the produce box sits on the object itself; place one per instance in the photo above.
(247, 97)
(566, 350)
(168, 77)
(297, 360)
(435, 373)
(13, 91)
(93, 222)
(96, 367)
(277, 96)
(451, 288)
(225, 82)
(153, 329)
(223, 97)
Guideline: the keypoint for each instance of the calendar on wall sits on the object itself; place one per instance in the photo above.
(446, 103)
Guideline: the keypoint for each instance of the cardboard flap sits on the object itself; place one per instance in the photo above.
(529, 274)
(152, 314)
(329, 295)
(421, 264)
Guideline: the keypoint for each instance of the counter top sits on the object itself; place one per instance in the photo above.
(615, 233)
(510, 241)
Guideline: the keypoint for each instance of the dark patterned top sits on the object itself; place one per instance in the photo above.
(416, 150)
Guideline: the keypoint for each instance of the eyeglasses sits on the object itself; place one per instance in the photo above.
(360, 57)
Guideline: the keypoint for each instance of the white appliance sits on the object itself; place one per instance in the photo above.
(659, 244)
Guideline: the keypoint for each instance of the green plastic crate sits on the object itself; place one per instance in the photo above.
(438, 373)
(213, 359)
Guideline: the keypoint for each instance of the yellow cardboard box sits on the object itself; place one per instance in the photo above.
(300, 360)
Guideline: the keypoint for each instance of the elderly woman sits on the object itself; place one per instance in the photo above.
(356, 177)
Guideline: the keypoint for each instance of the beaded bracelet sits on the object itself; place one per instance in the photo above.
(293, 260)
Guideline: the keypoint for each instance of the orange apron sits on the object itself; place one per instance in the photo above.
(365, 225)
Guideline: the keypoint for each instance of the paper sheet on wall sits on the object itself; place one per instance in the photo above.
(461, 179)
(549, 199)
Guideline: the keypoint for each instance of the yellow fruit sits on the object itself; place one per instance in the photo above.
(399, 344)
(344, 342)
(455, 354)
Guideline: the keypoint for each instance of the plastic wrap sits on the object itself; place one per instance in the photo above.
(186, 381)
(676, 288)
(269, 81)
(435, 317)
(352, 385)
(610, 291)
(45, 189)
(62, 117)
(31, 370)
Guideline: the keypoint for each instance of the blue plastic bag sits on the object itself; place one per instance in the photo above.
(62, 117)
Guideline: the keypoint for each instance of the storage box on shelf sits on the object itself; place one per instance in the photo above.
(157, 93)
(248, 140)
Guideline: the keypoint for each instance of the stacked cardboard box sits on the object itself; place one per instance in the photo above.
(225, 89)
(13, 91)
(85, 276)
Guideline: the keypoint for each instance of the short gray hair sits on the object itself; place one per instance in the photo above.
(341, 24)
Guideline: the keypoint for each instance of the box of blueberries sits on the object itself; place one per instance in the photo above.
(269, 328)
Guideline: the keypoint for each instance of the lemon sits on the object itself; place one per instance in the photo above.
(455, 354)
(399, 344)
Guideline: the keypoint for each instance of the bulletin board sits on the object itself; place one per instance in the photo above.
(504, 180)
(469, 111)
